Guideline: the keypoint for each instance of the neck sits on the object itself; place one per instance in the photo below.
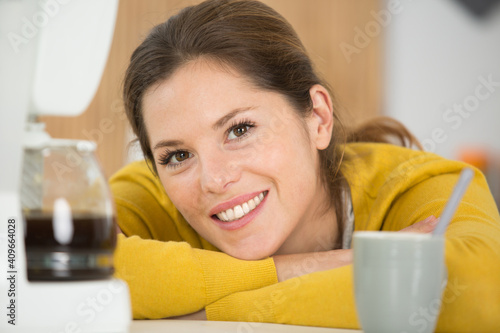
(316, 232)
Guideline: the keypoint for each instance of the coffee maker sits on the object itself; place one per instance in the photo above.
(55, 274)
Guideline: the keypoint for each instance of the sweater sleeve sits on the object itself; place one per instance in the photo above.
(171, 278)
(324, 299)
(471, 301)
(169, 268)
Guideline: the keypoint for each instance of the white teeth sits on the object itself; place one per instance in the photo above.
(251, 204)
(239, 211)
(230, 214)
(245, 207)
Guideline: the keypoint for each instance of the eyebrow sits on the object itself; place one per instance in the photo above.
(218, 124)
(167, 143)
(222, 121)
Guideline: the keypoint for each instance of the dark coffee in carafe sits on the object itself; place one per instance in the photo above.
(86, 255)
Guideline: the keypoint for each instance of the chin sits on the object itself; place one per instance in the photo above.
(255, 253)
(250, 256)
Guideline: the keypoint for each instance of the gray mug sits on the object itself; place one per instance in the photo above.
(398, 276)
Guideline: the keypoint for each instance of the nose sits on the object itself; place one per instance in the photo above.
(218, 171)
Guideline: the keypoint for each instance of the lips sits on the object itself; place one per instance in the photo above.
(239, 207)
(238, 223)
(239, 211)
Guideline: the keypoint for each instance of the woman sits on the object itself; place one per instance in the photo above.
(245, 206)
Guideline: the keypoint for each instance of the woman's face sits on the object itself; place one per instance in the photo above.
(236, 161)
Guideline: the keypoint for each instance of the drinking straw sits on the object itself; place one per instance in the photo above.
(454, 200)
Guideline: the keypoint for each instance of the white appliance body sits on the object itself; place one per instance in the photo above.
(52, 55)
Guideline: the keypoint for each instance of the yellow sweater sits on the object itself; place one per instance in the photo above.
(172, 271)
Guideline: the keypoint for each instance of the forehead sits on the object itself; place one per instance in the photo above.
(200, 88)
(201, 92)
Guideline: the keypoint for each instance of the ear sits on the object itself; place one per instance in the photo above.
(321, 121)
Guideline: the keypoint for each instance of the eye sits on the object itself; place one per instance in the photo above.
(180, 156)
(174, 158)
(239, 130)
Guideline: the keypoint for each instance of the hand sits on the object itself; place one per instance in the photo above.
(424, 227)
(294, 265)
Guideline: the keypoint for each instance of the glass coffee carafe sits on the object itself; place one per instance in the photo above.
(70, 231)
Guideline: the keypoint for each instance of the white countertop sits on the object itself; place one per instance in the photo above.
(195, 326)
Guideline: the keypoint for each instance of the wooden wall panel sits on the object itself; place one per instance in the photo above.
(323, 26)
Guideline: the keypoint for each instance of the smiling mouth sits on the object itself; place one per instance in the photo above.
(238, 211)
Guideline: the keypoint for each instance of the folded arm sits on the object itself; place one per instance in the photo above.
(471, 301)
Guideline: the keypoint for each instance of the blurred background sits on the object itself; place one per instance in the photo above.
(432, 64)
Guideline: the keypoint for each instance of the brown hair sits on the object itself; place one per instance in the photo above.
(258, 42)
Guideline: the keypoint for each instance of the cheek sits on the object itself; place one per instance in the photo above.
(183, 194)
(282, 148)
(267, 154)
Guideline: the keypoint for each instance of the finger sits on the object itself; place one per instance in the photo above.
(425, 226)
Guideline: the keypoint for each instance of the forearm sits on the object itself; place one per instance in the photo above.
(294, 265)
(318, 299)
(200, 315)
(171, 279)
(470, 302)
